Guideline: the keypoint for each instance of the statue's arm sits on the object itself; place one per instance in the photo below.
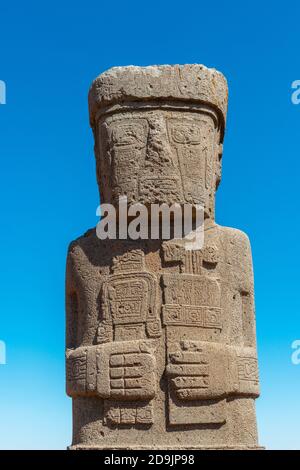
(243, 365)
(71, 302)
(113, 369)
(76, 355)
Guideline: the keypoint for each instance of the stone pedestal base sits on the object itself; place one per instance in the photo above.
(155, 448)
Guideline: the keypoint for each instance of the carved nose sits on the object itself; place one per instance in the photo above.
(159, 143)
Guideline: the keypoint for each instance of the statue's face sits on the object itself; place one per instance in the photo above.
(156, 156)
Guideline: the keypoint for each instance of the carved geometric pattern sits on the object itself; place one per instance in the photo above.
(189, 289)
(190, 315)
(248, 369)
(116, 413)
(130, 299)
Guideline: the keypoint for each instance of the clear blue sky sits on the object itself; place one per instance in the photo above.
(50, 52)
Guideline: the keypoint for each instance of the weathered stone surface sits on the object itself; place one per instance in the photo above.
(161, 349)
(191, 83)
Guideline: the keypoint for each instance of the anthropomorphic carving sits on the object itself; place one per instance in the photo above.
(161, 347)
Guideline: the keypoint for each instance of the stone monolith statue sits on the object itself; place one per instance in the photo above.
(161, 347)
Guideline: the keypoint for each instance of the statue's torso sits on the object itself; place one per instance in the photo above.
(161, 341)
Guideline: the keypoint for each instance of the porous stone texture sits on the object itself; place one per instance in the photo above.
(161, 347)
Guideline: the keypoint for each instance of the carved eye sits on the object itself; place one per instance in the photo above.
(128, 134)
(186, 133)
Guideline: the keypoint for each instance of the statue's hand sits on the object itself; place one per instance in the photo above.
(121, 370)
(191, 372)
(126, 371)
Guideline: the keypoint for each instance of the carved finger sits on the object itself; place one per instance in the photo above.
(193, 393)
(190, 382)
(188, 357)
(187, 369)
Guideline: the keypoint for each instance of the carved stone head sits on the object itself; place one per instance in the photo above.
(158, 133)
